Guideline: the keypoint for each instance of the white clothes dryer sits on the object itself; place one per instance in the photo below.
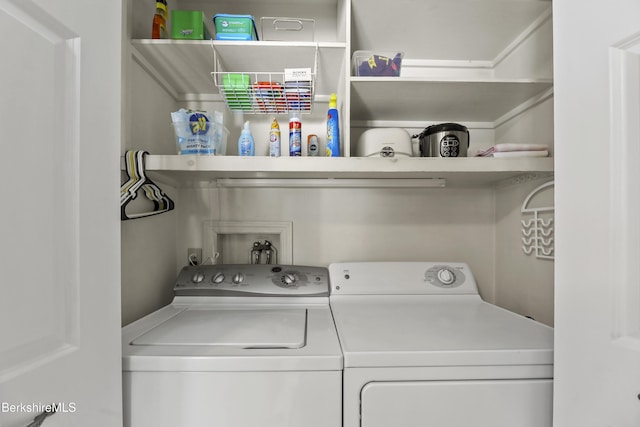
(422, 348)
(239, 346)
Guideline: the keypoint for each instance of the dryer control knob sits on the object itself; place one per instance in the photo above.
(218, 278)
(198, 277)
(446, 276)
(238, 278)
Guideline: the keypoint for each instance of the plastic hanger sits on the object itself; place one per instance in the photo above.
(137, 181)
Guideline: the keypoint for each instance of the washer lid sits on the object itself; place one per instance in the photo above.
(244, 328)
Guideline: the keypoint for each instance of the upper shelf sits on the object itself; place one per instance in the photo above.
(469, 171)
(184, 66)
(445, 29)
(417, 99)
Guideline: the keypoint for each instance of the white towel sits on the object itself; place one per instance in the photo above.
(507, 148)
(534, 153)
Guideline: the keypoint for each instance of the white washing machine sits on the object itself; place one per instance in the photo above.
(421, 348)
(239, 346)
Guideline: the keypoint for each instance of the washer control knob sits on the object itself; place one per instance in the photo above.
(218, 278)
(289, 279)
(237, 278)
(446, 276)
(198, 277)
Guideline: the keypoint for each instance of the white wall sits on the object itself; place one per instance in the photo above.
(331, 225)
(148, 264)
(524, 283)
(478, 226)
(529, 56)
(148, 244)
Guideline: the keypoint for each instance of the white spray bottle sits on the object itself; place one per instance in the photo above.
(246, 145)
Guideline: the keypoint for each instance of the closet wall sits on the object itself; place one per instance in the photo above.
(480, 225)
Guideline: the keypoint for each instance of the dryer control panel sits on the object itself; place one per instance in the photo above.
(445, 276)
(252, 280)
(402, 278)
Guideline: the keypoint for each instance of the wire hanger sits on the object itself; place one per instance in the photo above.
(134, 161)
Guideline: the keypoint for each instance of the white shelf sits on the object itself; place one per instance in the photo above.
(474, 92)
(416, 99)
(483, 69)
(470, 171)
(184, 66)
(444, 29)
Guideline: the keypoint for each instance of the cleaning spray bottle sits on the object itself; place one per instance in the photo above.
(333, 128)
(274, 139)
(246, 145)
(295, 135)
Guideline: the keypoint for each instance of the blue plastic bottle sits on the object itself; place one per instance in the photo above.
(333, 128)
(246, 145)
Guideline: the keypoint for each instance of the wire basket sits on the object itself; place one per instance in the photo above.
(281, 92)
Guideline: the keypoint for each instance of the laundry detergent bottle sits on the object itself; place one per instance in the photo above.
(246, 144)
(333, 128)
(159, 27)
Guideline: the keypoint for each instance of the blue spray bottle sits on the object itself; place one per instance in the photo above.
(333, 128)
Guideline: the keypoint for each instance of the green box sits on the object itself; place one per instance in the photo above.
(187, 24)
(237, 92)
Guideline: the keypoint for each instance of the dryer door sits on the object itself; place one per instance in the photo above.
(495, 403)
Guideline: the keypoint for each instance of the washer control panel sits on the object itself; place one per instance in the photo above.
(252, 280)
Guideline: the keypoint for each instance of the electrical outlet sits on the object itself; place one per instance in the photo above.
(194, 256)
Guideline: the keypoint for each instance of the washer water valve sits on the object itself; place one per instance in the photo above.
(263, 253)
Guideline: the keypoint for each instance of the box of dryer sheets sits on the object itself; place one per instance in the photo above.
(235, 27)
(188, 24)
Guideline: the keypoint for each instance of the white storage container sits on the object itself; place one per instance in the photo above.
(384, 142)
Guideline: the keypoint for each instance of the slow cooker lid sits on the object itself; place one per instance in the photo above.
(443, 127)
